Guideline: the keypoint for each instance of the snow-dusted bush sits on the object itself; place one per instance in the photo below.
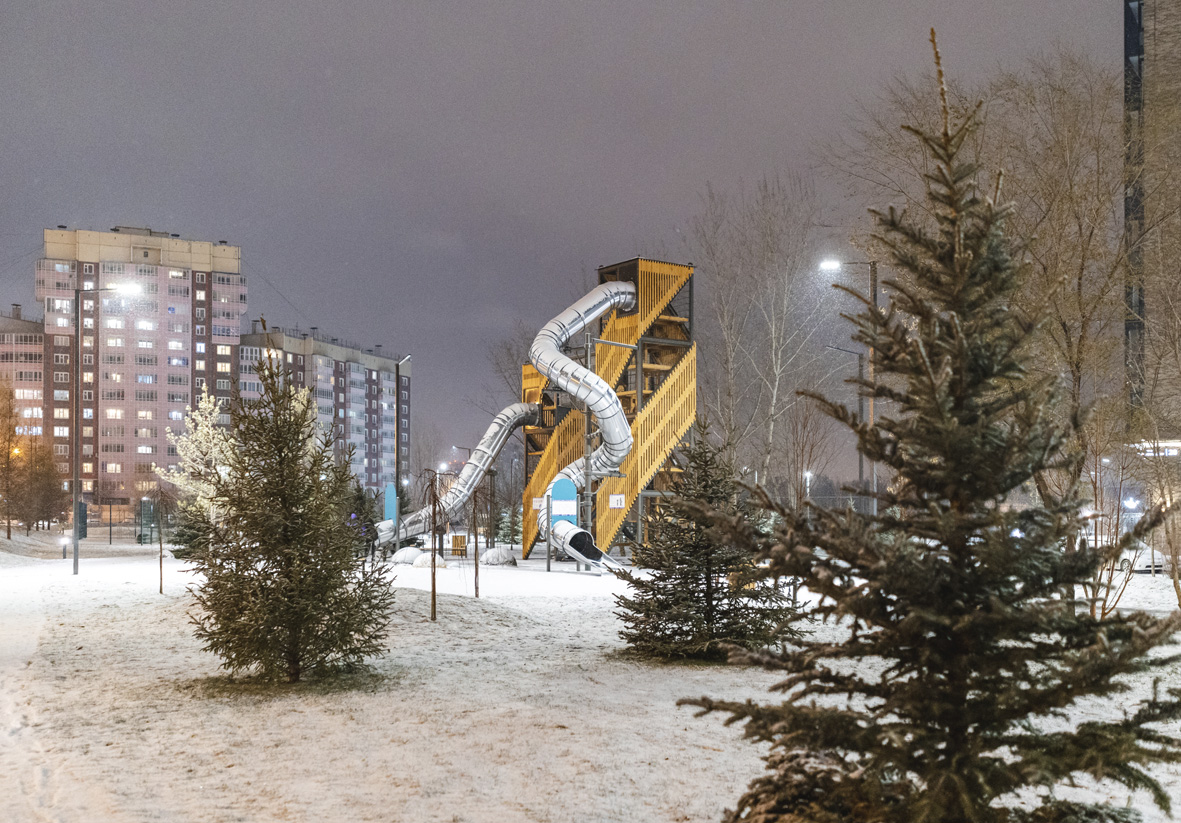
(406, 556)
(499, 556)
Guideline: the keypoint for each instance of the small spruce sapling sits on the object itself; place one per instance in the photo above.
(700, 593)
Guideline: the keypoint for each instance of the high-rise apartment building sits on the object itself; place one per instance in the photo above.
(1152, 103)
(142, 355)
(144, 351)
(22, 366)
(362, 396)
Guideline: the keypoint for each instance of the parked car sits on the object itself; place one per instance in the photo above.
(1141, 558)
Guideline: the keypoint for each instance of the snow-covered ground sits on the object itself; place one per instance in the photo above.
(513, 707)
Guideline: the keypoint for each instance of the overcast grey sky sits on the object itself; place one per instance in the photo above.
(420, 174)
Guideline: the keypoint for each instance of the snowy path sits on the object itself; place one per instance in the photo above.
(471, 718)
(514, 707)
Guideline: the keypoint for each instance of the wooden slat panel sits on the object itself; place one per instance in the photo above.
(532, 384)
(565, 446)
(657, 431)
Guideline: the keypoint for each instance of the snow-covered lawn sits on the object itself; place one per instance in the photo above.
(513, 707)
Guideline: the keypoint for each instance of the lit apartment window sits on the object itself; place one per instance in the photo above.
(113, 323)
(61, 414)
(114, 342)
(144, 414)
(199, 365)
(223, 351)
(114, 414)
(200, 348)
(223, 367)
(176, 345)
(61, 431)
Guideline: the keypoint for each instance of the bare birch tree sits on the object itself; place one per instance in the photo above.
(754, 257)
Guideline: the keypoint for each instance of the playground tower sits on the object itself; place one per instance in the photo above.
(656, 382)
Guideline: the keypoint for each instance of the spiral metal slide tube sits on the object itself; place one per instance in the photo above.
(599, 398)
(504, 424)
(582, 384)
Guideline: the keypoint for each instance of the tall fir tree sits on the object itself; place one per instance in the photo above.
(951, 691)
(701, 593)
(284, 589)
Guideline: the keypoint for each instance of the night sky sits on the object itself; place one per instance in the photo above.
(421, 174)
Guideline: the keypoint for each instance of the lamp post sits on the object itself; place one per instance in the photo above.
(398, 484)
(15, 452)
(76, 427)
(832, 266)
(860, 411)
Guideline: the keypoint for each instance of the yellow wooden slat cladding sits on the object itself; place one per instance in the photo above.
(532, 384)
(564, 447)
(657, 431)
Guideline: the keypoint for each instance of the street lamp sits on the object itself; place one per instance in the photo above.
(808, 486)
(831, 266)
(76, 428)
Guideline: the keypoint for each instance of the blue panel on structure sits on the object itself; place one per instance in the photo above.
(391, 501)
(565, 501)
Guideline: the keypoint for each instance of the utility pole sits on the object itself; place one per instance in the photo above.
(873, 466)
(435, 536)
(587, 480)
(476, 536)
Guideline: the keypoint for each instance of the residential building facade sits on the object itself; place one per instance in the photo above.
(159, 319)
(362, 396)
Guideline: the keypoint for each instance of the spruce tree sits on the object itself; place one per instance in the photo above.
(508, 532)
(284, 589)
(701, 593)
(964, 653)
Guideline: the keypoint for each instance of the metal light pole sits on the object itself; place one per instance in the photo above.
(76, 427)
(860, 411)
(14, 452)
(835, 266)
